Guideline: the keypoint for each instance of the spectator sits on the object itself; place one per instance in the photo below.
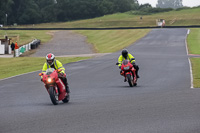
(12, 46)
(16, 46)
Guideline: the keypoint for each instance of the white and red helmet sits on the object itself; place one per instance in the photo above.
(50, 58)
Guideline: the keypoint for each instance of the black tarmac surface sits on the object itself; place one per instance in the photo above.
(101, 102)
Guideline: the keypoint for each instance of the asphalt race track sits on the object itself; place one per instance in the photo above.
(101, 102)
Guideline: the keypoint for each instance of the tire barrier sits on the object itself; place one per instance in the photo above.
(32, 45)
(35, 44)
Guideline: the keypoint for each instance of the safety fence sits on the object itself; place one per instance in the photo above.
(32, 45)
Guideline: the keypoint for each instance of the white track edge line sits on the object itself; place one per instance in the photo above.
(191, 75)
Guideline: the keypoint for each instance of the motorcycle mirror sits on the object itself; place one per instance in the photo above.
(40, 74)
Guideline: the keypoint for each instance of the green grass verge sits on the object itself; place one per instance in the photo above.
(15, 66)
(196, 73)
(25, 36)
(107, 41)
(193, 41)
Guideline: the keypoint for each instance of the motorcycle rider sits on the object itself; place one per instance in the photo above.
(126, 55)
(51, 62)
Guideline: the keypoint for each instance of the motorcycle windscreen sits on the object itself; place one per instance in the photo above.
(125, 62)
(49, 71)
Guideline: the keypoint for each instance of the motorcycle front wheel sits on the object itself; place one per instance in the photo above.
(130, 80)
(53, 95)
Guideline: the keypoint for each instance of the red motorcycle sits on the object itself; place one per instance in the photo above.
(54, 85)
(128, 71)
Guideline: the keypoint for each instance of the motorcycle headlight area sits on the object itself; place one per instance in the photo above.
(126, 68)
(49, 80)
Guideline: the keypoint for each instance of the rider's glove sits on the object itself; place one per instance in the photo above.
(60, 74)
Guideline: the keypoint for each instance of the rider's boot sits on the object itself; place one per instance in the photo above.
(67, 86)
(121, 73)
(137, 74)
(137, 69)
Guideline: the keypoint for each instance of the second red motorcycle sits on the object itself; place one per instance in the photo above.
(128, 71)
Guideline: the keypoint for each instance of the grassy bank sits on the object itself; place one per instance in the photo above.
(15, 66)
(196, 73)
(107, 41)
(194, 48)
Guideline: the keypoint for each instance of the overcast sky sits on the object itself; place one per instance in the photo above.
(189, 3)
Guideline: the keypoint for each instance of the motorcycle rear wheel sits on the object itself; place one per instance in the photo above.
(52, 94)
(130, 81)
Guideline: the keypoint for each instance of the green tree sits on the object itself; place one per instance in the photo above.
(73, 9)
(5, 11)
(47, 10)
(40, 11)
(106, 7)
(125, 5)
(26, 12)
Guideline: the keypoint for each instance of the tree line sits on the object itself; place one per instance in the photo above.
(43, 11)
